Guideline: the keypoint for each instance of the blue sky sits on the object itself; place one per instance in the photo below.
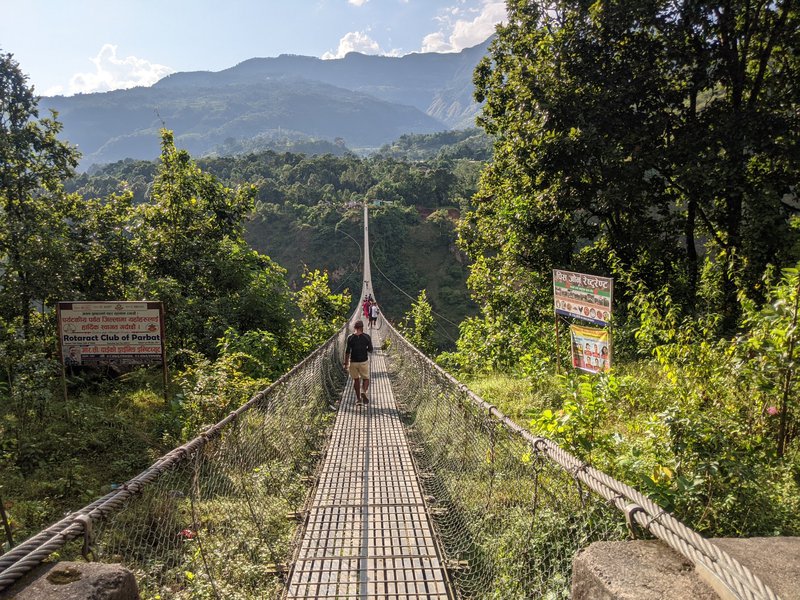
(72, 46)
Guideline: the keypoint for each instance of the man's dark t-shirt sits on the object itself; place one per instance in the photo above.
(358, 346)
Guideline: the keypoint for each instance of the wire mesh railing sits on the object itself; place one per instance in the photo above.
(511, 509)
(211, 519)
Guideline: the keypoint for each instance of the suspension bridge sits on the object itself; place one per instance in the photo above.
(427, 492)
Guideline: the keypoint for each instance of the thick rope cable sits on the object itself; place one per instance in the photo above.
(736, 579)
(26, 556)
(474, 417)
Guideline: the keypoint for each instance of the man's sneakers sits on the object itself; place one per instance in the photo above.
(364, 398)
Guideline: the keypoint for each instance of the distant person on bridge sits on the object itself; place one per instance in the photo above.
(373, 314)
(356, 355)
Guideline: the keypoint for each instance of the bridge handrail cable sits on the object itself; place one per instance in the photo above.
(727, 575)
(18, 561)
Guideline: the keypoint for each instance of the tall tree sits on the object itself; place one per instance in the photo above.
(655, 131)
(734, 153)
(34, 237)
(196, 259)
(103, 238)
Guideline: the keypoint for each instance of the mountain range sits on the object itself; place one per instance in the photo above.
(359, 102)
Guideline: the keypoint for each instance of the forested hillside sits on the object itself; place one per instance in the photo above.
(473, 144)
(307, 215)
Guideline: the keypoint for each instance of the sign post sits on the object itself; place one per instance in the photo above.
(111, 333)
(588, 298)
(558, 347)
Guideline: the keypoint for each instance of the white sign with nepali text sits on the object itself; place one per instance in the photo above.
(586, 297)
(102, 333)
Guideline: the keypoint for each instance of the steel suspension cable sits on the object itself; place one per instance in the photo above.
(727, 575)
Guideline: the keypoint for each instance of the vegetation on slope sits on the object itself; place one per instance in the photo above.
(656, 143)
(307, 214)
(229, 311)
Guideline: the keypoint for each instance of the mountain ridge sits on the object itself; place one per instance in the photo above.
(362, 100)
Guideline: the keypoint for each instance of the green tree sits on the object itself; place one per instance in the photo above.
(651, 132)
(418, 324)
(104, 248)
(197, 261)
(324, 312)
(733, 153)
(34, 237)
(319, 304)
(769, 354)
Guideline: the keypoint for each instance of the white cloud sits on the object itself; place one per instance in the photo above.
(435, 42)
(56, 90)
(357, 2)
(355, 41)
(113, 73)
(458, 33)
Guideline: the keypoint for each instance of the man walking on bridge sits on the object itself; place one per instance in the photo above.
(356, 355)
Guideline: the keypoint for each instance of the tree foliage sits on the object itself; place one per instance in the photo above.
(324, 312)
(770, 355)
(34, 209)
(196, 260)
(307, 213)
(656, 134)
(418, 325)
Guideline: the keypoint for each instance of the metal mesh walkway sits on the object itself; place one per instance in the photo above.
(367, 533)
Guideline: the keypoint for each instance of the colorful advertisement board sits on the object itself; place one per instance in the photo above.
(586, 297)
(102, 333)
(591, 349)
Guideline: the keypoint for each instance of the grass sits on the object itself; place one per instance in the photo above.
(514, 396)
(102, 435)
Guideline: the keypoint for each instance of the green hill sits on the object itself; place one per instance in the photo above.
(308, 215)
(358, 102)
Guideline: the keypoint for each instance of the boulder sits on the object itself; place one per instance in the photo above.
(76, 581)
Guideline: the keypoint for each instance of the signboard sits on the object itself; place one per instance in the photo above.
(586, 297)
(591, 350)
(102, 333)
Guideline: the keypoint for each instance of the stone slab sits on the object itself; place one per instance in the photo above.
(774, 560)
(637, 570)
(75, 581)
(650, 570)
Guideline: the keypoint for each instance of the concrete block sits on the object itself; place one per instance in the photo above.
(76, 581)
(650, 570)
(637, 570)
(774, 560)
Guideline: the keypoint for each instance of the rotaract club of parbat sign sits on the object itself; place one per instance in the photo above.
(585, 297)
(104, 333)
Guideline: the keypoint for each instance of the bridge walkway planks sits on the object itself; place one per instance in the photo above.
(367, 534)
